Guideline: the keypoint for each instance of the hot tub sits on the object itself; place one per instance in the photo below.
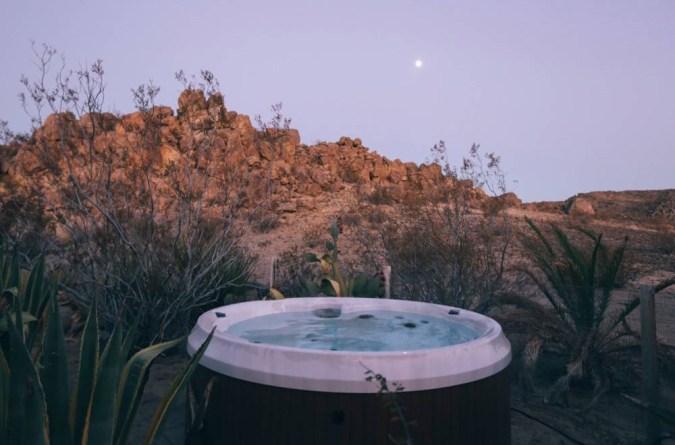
(269, 390)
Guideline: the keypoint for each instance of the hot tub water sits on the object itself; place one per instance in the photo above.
(375, 330)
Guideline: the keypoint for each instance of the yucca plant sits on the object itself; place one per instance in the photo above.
(107, 392)
(332, 281)
(580, 320)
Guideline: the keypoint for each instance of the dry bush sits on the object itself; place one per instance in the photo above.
(142, 239)
(441, 250)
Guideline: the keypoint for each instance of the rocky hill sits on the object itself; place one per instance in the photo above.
(215, 155)
(272, 161)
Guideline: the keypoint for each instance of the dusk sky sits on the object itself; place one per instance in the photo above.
(575, 96)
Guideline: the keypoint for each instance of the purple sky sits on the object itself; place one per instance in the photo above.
(574, 95)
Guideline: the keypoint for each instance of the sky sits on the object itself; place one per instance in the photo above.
(574, 95)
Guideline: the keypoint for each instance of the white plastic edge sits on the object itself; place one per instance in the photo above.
(344, 371)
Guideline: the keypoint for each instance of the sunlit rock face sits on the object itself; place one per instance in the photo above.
(202, 135)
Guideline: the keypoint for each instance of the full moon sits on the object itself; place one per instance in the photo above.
(418, 63)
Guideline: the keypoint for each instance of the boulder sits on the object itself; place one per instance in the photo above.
(346, 142)
(579, 206)
(288, 207)
(56, 127)
(191, 101)
(510, 200)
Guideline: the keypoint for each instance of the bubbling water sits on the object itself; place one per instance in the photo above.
(353, 331)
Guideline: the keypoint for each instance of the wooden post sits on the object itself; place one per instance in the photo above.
(386, 271)
(273, 267)
(650, 366)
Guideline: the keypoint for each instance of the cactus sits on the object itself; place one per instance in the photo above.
(108, 389)
(332, 281)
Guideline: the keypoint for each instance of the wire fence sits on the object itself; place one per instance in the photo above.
(665, 313)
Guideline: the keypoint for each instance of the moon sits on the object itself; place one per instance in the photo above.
(418, 63)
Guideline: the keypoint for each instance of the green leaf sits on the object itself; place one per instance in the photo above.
(311, 258)
(12, 279)
(35, 288)
(177, 386)
(27, 420)
(334, 230)
(131, 385)
(359, 285)
(311, 287)
(11, 293)
(79, 403)
(100, 423)
(131, 337)
(4, 397)
(330, 287)
(25, 318)
(54, 376)
(330, 246)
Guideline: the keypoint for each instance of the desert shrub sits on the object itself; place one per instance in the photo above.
(136, 231)
(580, 319)
(441, 250)
(35, 404)
(264, 223)
(292, 269)
(351, 219)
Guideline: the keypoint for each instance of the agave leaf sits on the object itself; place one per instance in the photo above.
(25, 318)
(54, 376)
(11, 293)
(34, 290)
(334, 230)
(177, 386)
(276, 294)
(131, 385)
(311, 287)
(27, 420)
(50, 288)
(130, 338)
(330, 287)
(325, 265)
(100, 423)
(373, 287)
(84, 385)
(4, 396)
(12, 279)
(359, 285)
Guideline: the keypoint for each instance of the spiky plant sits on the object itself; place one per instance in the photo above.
(332, 281)
(35, 407)
(581, 320)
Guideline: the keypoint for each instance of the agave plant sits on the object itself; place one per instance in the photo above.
(332, 281)
(34, 288)
(107, 392)
(581, 320)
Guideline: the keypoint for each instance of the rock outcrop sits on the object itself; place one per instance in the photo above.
(273, 162)
(579, 206)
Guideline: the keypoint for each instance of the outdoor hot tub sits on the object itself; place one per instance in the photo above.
(293, 371)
